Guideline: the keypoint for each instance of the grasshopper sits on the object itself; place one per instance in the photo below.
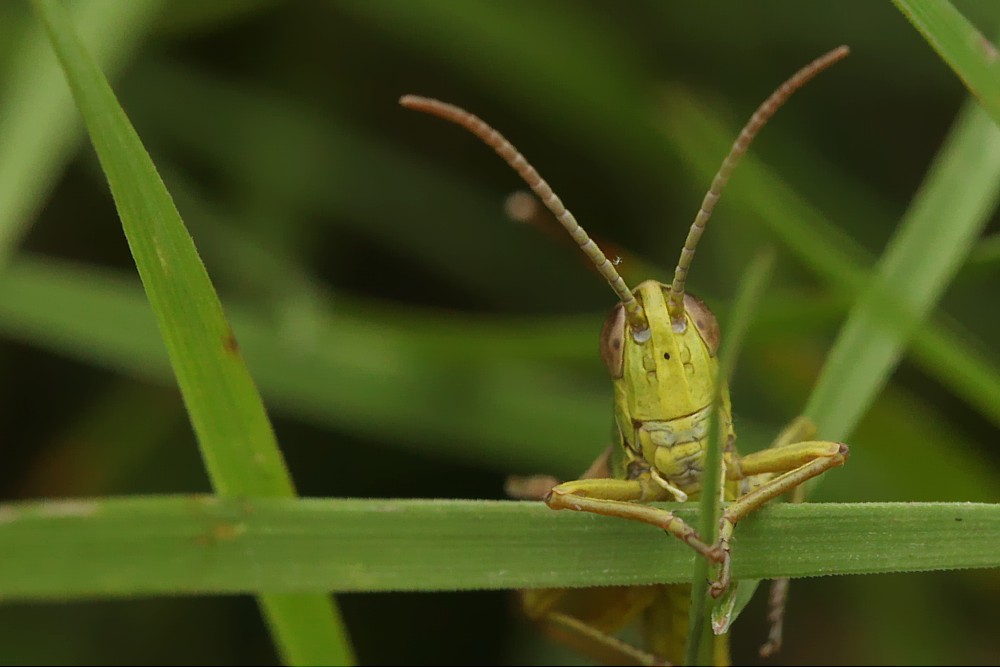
(659, 344)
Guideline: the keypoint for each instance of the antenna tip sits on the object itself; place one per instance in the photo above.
(412, 101)
(836, 54)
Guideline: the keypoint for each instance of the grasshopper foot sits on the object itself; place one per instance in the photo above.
(725, 573)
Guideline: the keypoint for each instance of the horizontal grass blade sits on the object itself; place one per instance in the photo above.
(206, 545)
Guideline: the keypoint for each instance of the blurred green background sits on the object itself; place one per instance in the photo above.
(411, 340)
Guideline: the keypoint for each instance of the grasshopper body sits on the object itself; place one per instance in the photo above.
(659, 344)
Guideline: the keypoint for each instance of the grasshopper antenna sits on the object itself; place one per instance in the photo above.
(675, 300)
(496, 141)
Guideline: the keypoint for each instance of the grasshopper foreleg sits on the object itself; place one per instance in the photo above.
(625, 498)
(797, 462)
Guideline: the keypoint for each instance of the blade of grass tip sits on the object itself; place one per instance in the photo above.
(228, 417)
(969, 54)
(937, 233)
(700, 646)
(233, 431)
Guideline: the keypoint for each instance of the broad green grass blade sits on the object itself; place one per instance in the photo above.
(38, 121)
(966, 50)
(233, 430)
(946, 217)
(750, 294)
(208, 545)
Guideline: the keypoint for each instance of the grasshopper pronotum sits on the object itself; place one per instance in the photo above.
(659, 345)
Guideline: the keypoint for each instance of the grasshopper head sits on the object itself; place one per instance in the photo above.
(668, 371)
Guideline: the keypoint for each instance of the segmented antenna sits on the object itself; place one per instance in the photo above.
(675, 300)
(496, 141)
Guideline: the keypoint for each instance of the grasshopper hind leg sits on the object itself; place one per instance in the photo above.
(587, 620)
(776, 600)
(538, 487)
(802, 428)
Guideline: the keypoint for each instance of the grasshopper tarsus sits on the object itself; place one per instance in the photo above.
(717, 588)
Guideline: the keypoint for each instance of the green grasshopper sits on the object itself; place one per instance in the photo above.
(659, 345)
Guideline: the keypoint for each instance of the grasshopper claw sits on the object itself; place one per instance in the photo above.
(725, 571)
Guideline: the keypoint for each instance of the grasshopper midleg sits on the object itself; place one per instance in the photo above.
(659, 344)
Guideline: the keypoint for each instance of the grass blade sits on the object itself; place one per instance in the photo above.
(751, 291)
(209, 545)
(946, 217)
(966, 50)
(233, 430)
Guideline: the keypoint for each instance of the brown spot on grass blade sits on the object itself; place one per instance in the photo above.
(230, 344)
(224, 531)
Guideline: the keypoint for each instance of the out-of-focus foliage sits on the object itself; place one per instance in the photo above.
(414, 342)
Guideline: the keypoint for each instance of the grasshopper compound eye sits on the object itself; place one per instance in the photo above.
(704, 321)
(613, 342)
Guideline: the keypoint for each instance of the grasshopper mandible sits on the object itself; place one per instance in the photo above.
(659, 345)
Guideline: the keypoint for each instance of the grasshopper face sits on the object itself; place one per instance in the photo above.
(661, 374)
